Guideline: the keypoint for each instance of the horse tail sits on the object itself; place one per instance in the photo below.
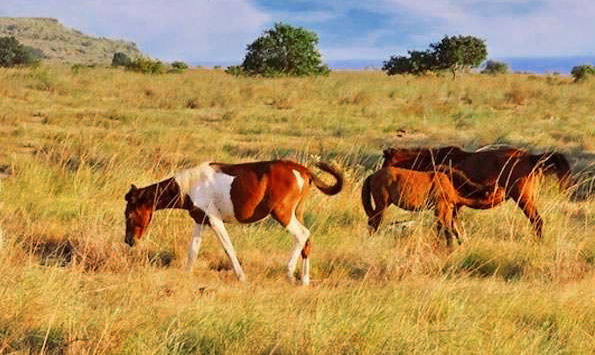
(367, 197)
(324, 187)
(554, 163)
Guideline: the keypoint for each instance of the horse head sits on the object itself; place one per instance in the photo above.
(138, 213)
(393, 156)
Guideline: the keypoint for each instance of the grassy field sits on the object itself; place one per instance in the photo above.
(72, 142)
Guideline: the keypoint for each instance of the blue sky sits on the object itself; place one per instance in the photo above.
(219, 30)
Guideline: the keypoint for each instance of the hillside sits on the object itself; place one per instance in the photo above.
(64, 45)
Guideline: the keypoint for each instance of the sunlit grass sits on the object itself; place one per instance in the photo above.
(73, 142)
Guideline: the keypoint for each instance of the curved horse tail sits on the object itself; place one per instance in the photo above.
(324, 187)
(367, 197)
(554, 163)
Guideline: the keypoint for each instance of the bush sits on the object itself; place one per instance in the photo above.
(582, 72)
(179, 65)
(120, 60)
(493, 67)
(146, 66)
(283, 50)
(14, 53)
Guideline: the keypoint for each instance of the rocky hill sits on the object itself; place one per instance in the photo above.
(64, 45)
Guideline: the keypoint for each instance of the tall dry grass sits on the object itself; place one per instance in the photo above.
(72, 143)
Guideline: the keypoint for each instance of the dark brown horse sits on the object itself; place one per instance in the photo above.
(513, 170)
(419, 190)
(214, 193)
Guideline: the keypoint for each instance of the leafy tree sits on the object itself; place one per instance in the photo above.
(283, 50)
(582, 72)
(14, 53)
(459, 52)
(452, 53)
(120, 59)
(179, 65)
(493, 67)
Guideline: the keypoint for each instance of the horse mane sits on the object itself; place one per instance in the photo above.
(189, 177)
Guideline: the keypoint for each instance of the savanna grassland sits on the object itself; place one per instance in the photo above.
(72, 142)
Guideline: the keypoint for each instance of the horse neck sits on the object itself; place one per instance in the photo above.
(166, 194)
(554, 163)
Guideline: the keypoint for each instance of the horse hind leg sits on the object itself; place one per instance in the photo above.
(301, 236)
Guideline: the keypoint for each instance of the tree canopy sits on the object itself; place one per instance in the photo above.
(451, 53)
(283, 50)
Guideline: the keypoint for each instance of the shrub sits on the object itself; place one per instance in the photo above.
(14, 53)
(283, 50)
(146, 66)
(582, 72)
(494, 67)
(120, 60)
(179, 65)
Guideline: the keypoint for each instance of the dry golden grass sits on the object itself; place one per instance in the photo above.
(73, 142)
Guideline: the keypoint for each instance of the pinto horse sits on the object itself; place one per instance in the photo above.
(419, 190)
(511, 169)
(214, 193)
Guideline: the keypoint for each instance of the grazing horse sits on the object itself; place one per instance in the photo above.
(214, 193)
(419, 190)
(513, 170)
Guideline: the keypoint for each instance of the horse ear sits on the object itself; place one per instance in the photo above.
(130, 195)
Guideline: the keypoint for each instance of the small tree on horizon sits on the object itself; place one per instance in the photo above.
(282, 50)
(12, 53)
(454, 53)
(459, 52)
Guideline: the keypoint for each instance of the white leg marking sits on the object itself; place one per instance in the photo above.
(194, 246)
(219, 228)
(299, 179)
(301, 235)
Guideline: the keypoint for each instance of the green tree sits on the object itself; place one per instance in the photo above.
(283, 50)
(458, 53)
(120, 59)
(14, 53)
(582, 72)
(451, 53)
(493, 67)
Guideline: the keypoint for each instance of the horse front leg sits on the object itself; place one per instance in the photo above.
(525, 202)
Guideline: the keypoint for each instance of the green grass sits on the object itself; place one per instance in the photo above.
(73, 142)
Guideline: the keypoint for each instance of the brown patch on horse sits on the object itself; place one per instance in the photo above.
(511, 169)
(414, 191)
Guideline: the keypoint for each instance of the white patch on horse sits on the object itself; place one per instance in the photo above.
(298, 179)
(209, 190)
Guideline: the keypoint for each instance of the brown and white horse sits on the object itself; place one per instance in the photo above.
(216, 193)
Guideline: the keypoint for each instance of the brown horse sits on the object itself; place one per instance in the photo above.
(513, 170)
(214, 193)
(418, 190)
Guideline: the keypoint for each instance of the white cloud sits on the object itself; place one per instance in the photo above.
(542, 28)
(191, 30)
